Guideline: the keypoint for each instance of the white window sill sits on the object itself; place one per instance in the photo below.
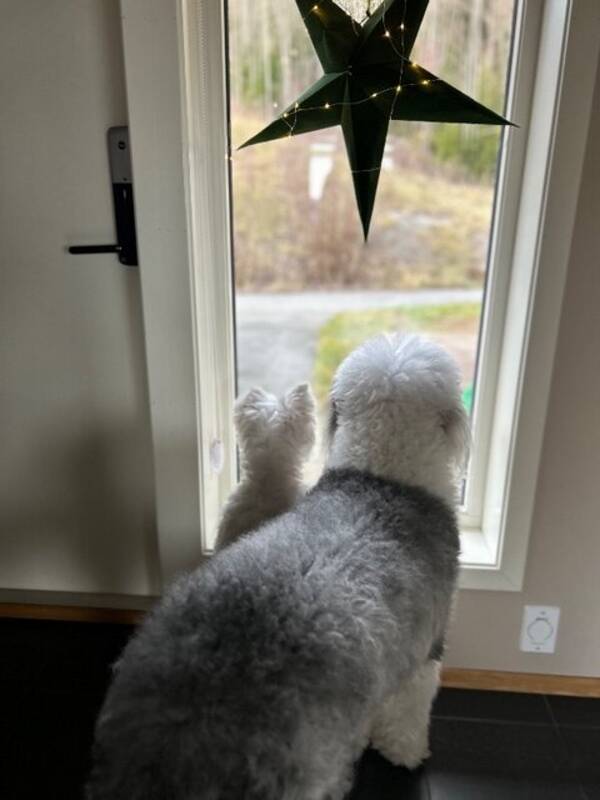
(479, 568)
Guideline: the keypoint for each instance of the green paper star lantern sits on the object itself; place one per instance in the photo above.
(369, 80)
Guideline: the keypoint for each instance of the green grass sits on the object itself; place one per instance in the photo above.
(346, 330)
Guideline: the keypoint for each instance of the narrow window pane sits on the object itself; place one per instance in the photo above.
(307, 287)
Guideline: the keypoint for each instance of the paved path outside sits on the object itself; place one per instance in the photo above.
(277, 333)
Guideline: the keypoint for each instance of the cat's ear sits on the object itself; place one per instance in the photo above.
(300, 419)
(300, 400)
(253, 412)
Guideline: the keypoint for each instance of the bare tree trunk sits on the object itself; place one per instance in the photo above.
(473, 54)
(282, 24)
(265, 38)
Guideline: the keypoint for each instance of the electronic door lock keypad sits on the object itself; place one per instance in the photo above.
(122, 184)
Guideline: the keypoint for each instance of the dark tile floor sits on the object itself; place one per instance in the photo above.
(486, 745)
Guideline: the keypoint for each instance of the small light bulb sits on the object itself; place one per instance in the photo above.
(398, 89)
(315, 8)
(326, 105)
(424, 83)
(374, 94)
(285, 114)
(297, 105)
(388, 34)
(402, 26)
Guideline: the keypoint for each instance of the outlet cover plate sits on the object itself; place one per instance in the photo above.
(538, 633)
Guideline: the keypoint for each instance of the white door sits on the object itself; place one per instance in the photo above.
(76, 490)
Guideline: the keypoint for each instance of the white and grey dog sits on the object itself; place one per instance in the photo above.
(265, 673)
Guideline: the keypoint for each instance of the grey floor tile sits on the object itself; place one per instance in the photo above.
(508, 750)
(504, 706)
(575, 710)
(590, 791)
(486, 787)
(377, 779)
(583, 746)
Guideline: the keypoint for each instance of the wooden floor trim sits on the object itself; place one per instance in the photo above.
(118, 616)
(530, 682)
(452, 677)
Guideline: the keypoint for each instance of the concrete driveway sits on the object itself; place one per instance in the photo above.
(277, 333)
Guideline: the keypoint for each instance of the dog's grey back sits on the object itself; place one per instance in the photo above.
(253, 676)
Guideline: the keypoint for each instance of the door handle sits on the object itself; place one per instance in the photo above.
(122, 187)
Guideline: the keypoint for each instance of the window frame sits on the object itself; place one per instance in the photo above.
(177, 94)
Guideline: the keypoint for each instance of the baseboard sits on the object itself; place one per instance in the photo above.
(452, 677)
(529, 682)
(60, 613)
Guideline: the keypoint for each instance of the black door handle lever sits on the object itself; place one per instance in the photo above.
(80, 249)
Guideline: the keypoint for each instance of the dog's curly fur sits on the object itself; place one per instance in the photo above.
(266, 672)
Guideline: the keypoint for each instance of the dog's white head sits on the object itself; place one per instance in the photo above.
(396, 411)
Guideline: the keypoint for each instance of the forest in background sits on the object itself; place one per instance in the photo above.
(465, 41)
(432, 217)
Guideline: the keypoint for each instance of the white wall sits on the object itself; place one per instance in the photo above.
(563, 566)
(76, 487)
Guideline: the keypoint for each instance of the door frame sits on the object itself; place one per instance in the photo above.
(182, 212)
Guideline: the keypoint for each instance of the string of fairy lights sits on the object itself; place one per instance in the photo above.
(290, 116)
(360, 66)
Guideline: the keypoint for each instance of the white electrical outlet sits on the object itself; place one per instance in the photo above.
(538, 634)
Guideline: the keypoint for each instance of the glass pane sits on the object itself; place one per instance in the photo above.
(307, 287)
